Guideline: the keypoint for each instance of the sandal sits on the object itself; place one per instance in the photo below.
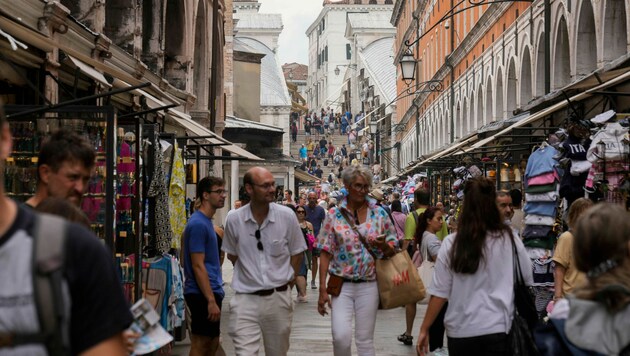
(405, 339)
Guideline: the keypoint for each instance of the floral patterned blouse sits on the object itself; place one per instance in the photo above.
(350, 259)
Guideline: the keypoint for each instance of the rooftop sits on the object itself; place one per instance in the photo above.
(379, 63)
(258, 21)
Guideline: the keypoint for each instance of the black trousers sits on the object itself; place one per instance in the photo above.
(436, 331)
(484, 345)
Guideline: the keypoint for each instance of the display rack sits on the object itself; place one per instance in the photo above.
(98, 125)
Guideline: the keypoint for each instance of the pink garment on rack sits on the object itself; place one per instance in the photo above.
(544, 179)
(614, 172)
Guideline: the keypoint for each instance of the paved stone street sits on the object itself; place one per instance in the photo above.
(311, 332)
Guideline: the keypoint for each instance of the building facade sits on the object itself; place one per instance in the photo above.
(329, 49)
(494, 65)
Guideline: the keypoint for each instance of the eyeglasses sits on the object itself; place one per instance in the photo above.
(301, 212)
(218, 191)
(259, 245)
(266, 185)
(359, 187)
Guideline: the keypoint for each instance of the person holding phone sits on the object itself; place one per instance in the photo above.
(349, 230)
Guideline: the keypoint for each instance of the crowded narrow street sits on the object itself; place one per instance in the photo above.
(310, 332)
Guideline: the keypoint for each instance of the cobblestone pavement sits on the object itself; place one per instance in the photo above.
(311, 333)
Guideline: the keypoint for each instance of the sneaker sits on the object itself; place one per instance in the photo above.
(302, 299)
(313, 286)
(405, 339)
(442, 351)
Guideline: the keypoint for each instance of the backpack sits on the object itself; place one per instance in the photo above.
(337, 159)
(325, 162)
(50, 289)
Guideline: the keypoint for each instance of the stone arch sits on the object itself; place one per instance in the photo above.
(489, 108)
(512, 84)
(479, 113)
(615, 33)
(201, 65)
(586, 57)
(499, 111)
(561, 72)
(526, 78)
(176, 63)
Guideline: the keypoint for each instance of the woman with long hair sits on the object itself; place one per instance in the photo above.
(429, 224)
(473, 273)
(596, 319)
(565, 275)
(399, 219)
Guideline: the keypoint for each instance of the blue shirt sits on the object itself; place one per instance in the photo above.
(540, 208)
(540, 162)
(315, 216)
(199, 237)
(303, 152)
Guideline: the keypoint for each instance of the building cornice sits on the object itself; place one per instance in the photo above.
(397, 11)
(344, 7)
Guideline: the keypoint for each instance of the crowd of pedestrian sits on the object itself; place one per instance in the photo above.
(318, 150)
(339, 234)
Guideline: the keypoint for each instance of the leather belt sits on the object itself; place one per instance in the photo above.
(355, 280)
(266, 292)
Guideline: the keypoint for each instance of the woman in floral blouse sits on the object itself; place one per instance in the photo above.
(344, 255)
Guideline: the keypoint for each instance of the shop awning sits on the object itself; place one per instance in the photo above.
(553, 108)
(449, 150)
(305, 177)
(197, 129)
(88, 70)
(233, 122)
(391, 179)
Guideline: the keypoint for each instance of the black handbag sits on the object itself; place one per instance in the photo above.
(525, 318)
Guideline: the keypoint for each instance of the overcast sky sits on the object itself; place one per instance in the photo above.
(297, 16)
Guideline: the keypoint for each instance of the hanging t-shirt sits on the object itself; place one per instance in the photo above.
(541, 161)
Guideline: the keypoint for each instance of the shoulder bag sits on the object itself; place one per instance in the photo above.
(521, 341)
(426, 272)
(397, 277)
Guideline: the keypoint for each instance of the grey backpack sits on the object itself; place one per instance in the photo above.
(50, 289)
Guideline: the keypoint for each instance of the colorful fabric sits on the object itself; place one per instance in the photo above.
(158, 190)
(350, 259)
(541, 161)
(177, 198)
(539, 189)
(543, 179)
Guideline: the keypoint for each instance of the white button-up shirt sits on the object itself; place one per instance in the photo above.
(281, 238)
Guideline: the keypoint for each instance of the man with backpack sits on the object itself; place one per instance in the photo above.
(58, 297)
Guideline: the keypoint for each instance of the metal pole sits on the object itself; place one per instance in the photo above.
(547, 10)
(76, 101)
(452, 76)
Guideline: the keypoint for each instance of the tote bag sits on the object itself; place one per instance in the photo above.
(426, 273)
(398, 281)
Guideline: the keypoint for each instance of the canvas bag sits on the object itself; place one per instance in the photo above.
(397, 277)
(426, 273)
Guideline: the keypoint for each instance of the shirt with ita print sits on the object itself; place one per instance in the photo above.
(350, 259)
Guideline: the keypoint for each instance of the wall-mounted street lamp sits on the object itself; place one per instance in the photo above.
(337, 70)
(408, 66)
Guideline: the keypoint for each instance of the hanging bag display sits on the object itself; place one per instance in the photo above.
(521, 341)
(397, 277)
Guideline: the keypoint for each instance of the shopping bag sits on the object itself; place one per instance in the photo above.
(398, 281)
(425, 271)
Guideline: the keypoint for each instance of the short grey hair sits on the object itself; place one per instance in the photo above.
(351, 173)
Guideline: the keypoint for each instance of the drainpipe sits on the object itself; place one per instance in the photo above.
(547, 10)
(450, 64)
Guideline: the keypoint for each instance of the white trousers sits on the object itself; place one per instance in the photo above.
(253, 316)
(360, 300)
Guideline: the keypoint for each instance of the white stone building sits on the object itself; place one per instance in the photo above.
(330, 49)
